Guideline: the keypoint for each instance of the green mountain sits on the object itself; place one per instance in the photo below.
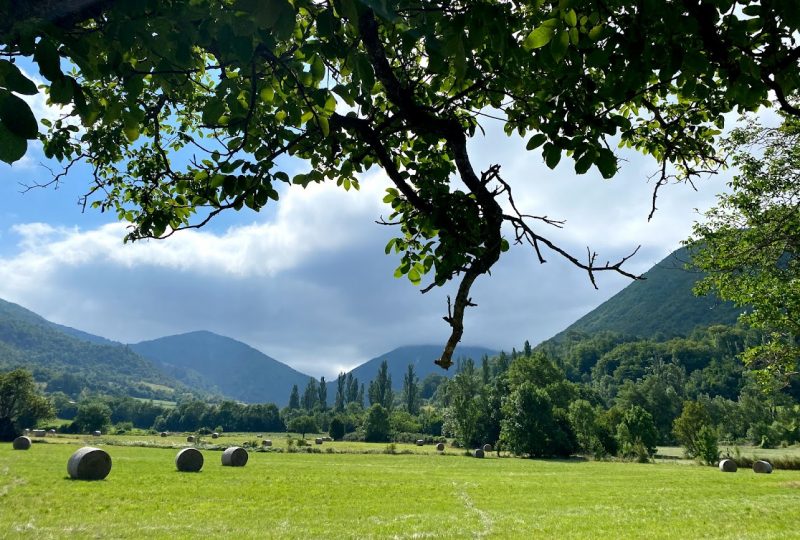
(63, 360)
(660, 305)
(421, 356)
(223, 365)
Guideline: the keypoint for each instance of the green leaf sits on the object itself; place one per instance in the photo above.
(583, 163)
(46, 55)
(540, 36)
(552, 155)
(17, 116)
(571, 18)
(536, 141)
(606, 163)
(558, 47)
(13, 79)
(61, 90)
(324, 126)
(12, 147)
(596, 32)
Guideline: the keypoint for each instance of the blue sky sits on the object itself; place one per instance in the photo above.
(307, 281)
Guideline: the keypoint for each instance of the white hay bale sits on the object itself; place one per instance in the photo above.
(727, 465)
(21, 443)
(189, 460)
(762, 467)
(215, 435)
(440, 447)
(259, 435)
(51, 432)
(97, 433)
(235, 456)
(39, 433)
(26, 431)
(420, 442)
(266, 442)
(190, 438)
(327, 439)
(318, 440)
(163, 433)
(478, 452)
(89, 463)
(487, 447)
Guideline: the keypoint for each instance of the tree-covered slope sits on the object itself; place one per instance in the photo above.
(30, 341)
(662, 304)
(422, 358)
(223, 365)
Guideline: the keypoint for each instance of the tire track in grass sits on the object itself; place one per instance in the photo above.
(486, 521)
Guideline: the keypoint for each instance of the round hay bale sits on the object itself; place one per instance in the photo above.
(440, 447)
(727, 465)
(259, 435)
(478, 452)
(762, 467)
(89, 463)
(189, 460)
(266, 442)
(26, 431)
(52, 432)
(190, 438)
(163, 433)
(487, 447)
(327, 439)
(318, 440)
(39, 433)
(97, 433)
(235, 456)
(215, 435)
(21, 443)
(420, 442)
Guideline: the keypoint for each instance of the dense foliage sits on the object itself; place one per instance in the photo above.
(234, 86)
(21, 404)
(749, 244)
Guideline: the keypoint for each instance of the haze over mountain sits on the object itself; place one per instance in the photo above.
(661, 304)
(223, 365)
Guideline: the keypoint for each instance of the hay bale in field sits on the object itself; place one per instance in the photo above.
(440, 447)
(215, 435)
(266, 442)
(89, 463)
(190, 438)
(318, 440)
(762, 467)
(52, 432)
(420, 442)
(163, 433)
(97, 433)
(727, 465)
(259, 435)
(327, 439)
(26, 431)
(478, 452)
(487, 447)
(189, 460)
(39, 433)
(235, 456)
(21, 443)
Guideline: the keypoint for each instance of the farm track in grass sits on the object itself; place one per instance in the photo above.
(294, 495)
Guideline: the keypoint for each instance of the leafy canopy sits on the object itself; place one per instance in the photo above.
(344, 85)
(749, 243)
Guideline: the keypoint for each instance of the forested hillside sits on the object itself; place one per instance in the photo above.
(660, 305)
(70, 364)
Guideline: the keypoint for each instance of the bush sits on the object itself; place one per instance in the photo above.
(336, 429)
(376, 426)
(355, 436)
(706, 445)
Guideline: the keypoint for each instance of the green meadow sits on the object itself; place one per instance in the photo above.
(341, 494)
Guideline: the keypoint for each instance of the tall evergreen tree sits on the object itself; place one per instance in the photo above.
(352, 389)
(341, 391)
(411, 391)
(323, 393)
(294, 398)
(360, 395)
(380, 389)
(485, 369)
(311, 395)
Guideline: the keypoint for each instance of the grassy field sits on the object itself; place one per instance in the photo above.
(344, 495)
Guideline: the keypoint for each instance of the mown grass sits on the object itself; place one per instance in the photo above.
(342, 495)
